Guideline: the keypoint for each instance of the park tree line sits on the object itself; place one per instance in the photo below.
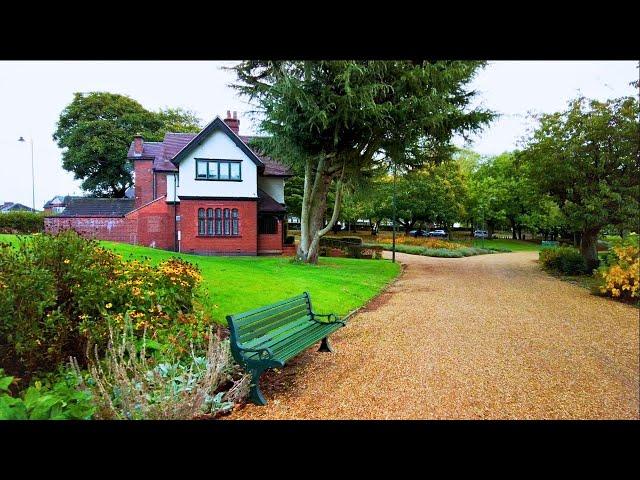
(576, 176)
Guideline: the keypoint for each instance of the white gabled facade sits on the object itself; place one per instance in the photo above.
(217, 146)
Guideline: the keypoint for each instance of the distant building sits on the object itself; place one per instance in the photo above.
(58, 204)
(14, 207)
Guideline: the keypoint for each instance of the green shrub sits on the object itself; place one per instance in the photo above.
(64, 400)
(565, 260)
(364, 250)
(339, 242)
(619, 276)
(58, 294)
(610, 258)
(21, 222)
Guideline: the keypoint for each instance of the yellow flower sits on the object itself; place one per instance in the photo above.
(108, 305)
(66, 260)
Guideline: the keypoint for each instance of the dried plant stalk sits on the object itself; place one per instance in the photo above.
(126, 386)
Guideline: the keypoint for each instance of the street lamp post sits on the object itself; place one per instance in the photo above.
(483, 227)
(393, 254)
(33, 181)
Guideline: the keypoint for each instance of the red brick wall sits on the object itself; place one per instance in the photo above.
(271, 243)
(289, 250)
(161, 184)
(243, 244)
(143, 171)
(101, 228)
(153, 224)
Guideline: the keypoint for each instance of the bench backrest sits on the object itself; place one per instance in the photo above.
(549, 243)
(256, 323)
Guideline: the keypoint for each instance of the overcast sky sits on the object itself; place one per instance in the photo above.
(33, 94)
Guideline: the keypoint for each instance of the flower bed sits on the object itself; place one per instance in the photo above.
(619, 276)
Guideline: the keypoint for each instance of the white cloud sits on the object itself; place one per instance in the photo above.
(515, 89)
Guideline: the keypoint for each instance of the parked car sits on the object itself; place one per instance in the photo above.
(481, 234)
(437, 233)
(418, 233)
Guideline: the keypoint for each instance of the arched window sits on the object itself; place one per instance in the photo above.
(218, 221)
(227, 223)
(210, 221)
(234, 222)
(201, 222)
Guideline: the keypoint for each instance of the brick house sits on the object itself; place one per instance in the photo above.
(207, 193)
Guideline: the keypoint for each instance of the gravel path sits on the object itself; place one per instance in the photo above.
(480, 337)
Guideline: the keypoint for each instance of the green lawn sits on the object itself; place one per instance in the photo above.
(236, 284)
(513, 245)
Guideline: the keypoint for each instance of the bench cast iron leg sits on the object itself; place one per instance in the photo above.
(325, 346)
(255, 394)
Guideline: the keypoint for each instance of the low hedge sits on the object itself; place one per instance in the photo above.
(339, 242)
(365, 250)
(438, 252)
(21, 222)
(565, 260)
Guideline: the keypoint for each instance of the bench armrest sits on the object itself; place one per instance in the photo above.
(329, 315)
(260, 351)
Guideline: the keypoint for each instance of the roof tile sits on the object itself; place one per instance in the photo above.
(163, 152)
(266, 203)
(98, 207)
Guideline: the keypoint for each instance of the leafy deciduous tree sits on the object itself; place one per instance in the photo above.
(588, 158)
(95, 131)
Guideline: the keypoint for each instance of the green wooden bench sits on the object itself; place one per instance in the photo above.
(549, 244)
(269, 336)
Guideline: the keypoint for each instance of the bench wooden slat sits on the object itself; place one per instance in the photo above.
(282, 341)
(272, 337)
(258, 322)
(290, 350)
(272, 323)
(240, 318)
(254, 321)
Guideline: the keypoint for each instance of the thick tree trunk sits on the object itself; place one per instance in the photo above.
(314, 207)
(588, 247)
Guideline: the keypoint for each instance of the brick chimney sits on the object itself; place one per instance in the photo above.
(232, 122)
(137, 145)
